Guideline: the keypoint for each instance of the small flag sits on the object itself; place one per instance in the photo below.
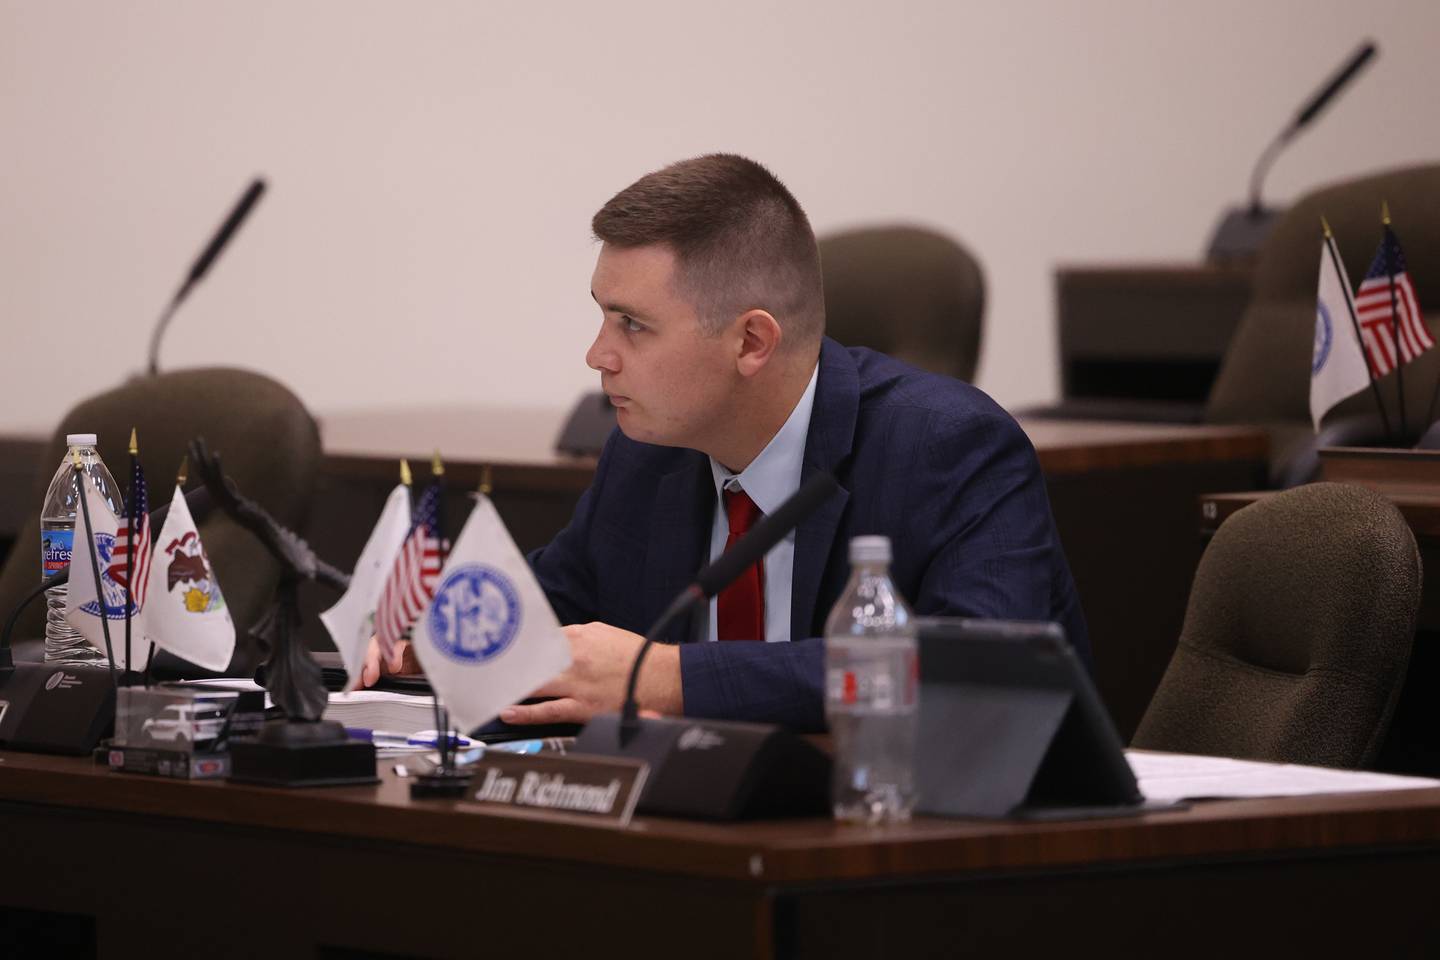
(1382, 316)
(137, 516)
(82, 607)
(351, 621)
(1337, 366)
(411, 582)
(186, 612)
(489, 637)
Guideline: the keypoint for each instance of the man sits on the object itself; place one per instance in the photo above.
(728, 397)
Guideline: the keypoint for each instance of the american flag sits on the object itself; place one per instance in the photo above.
(137, 516)
(411, 583)
(1378, 322)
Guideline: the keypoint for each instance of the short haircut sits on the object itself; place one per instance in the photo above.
(741, 239)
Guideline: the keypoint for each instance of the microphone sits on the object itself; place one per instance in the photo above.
(203, 263)
(720, 769)
(1241, 231)
(724, 571)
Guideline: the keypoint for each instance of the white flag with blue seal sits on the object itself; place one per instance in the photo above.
(1337, 365)
(489, 637)
(351, 621)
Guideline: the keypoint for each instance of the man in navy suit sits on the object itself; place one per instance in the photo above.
(728, 397)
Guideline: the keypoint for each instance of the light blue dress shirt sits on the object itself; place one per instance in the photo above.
(769, 480)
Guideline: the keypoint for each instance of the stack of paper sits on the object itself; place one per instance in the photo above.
(1180, 776)
(382, 710)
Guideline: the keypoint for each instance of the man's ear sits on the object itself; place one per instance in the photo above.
(760, 337)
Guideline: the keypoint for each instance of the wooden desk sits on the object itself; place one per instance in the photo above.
(162, 868)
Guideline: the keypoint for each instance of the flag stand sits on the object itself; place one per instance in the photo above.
(1395, 322)
(129, 674)
(1355, 325)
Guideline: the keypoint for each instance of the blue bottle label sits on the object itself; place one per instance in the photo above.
(55, 547)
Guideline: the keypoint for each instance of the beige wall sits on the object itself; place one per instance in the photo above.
(433, 166)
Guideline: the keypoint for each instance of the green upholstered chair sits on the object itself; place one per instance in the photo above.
(269, 444)
(907, 292)
(1298, 633)
(1265, 377)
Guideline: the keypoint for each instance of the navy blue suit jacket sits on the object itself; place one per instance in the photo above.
(929, 461)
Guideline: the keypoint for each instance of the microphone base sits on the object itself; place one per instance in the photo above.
(1240, 234)
(718, 769)
(54, 708)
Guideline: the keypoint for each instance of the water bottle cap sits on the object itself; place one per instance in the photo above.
(869, 550)
(80, 439)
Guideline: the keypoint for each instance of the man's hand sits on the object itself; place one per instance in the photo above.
(377, 666)
(601, 656)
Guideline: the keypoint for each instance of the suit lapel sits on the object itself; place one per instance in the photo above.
(679, 545)
(827, 447)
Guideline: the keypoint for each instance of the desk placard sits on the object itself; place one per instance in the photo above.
(603, 787)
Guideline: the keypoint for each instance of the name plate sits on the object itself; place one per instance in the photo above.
(603, 787)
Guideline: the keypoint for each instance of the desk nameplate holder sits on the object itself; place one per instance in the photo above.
(603, 788)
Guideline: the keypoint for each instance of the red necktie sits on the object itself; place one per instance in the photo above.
(740, 608)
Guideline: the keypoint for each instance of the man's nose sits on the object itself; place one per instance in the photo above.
(601, 356)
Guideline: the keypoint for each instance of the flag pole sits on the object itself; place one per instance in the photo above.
(1394, 318)
(1355, 325)
(181, 476)
(95, 566)
(130, 557)
(442, 719)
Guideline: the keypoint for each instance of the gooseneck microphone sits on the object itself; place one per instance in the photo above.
(202, 264)
(1243, 229)
(720, 574)
(1307, 113)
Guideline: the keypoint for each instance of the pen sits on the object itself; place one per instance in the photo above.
(390, 738)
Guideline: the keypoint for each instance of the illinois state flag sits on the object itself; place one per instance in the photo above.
(1337, 365)
(351, 621)
(94, 548)
(489, 637)
(185, 611)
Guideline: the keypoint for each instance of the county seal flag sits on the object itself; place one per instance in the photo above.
(185, 611)
(489, 637)
(95, 547)
(351, 621)
(1337, 364)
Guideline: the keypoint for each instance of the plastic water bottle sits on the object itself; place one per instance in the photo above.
(57, 538)
(871, 681)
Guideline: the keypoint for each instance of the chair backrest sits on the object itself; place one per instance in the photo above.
(907, 292)
(1297, 635)
(1265, 377)
(268, 443)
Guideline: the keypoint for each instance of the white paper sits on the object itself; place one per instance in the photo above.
(1180, 776)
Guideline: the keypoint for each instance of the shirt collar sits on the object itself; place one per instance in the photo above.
(775, 474)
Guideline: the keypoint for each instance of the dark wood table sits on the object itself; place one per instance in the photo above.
(122, 865)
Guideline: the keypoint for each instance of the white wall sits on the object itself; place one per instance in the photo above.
(433, 166)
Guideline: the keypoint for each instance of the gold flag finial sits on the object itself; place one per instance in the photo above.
(134, 444)
(437, 466)
(1326, 224)
(183, 473)
(485, 477)
(1385, 212)
(405, 477)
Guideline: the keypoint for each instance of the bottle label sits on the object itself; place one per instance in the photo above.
(55, 547)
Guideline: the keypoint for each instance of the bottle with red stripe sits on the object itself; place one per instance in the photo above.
(871, 681)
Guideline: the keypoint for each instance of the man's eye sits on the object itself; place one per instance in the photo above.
(631, 324)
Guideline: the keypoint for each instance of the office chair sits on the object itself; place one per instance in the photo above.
(907, 292)
(1265, 377)
(1298, 633)
(270, 446)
